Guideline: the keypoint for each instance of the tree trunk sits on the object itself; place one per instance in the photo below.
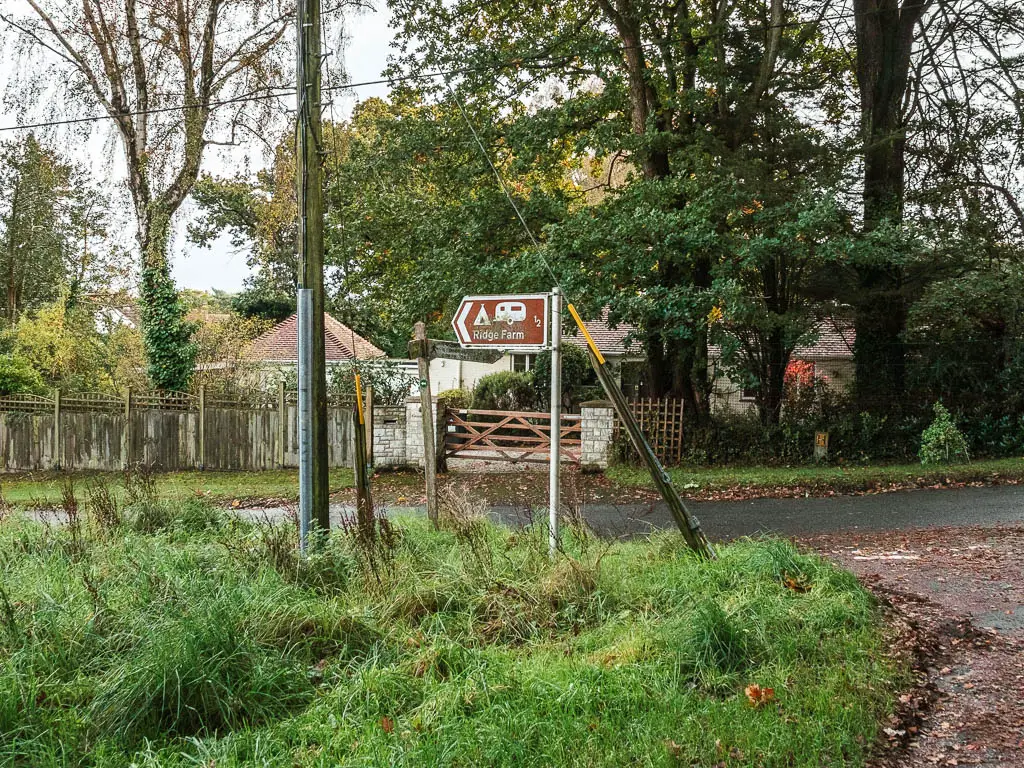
(678, 366)
(775, 357)
(885, 35)
(879, 351)
(170, 350)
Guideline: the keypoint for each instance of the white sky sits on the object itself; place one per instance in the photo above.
(365, 58)
(220, 266)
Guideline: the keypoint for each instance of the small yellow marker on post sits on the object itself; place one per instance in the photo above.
(359, 399)
(586, 334)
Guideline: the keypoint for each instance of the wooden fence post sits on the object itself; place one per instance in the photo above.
(441, 432)
(427, 422)
(201, 452)
(282, 423)
(126, 433)
(58, 443)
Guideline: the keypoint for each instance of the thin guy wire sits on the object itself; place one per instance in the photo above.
(504, 187)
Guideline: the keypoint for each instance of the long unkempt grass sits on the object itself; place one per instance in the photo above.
(170, 634)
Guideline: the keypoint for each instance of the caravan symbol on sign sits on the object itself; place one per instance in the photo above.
(503, 322)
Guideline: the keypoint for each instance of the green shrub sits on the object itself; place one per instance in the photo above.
(942, 442)
(506, 391)
(390, 380)
(455, 398)
(17, 376)
(578, 378)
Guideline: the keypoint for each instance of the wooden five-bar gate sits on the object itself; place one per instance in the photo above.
(516, 436)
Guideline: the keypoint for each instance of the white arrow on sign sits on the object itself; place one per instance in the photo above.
(460, 320)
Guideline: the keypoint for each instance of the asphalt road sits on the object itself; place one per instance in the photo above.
(721, 520)
(900, 510)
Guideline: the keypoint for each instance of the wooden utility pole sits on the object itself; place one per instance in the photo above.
(309, 180)
(429, 427)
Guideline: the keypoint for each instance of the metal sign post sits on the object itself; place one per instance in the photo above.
(305, 333)
(520, 323)
(556, 420)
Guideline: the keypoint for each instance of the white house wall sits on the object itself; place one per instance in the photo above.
(458, 374)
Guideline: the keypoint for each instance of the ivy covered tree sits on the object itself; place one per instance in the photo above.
(164, 73)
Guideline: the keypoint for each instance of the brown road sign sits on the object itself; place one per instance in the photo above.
(503, 322)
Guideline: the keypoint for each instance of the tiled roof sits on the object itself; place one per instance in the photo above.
(611, 341)
(835, 341)
(281, 343)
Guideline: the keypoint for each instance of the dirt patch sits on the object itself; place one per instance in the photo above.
(958, 594)
(525, 485)
(517, 486)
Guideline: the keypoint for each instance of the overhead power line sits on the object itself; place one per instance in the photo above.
(282, 91)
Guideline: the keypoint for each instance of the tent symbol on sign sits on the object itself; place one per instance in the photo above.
(482, 318)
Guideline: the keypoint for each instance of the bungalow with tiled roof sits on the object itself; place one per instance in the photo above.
(276, 352)
(280, 345)
(615, 344)
(829, 357)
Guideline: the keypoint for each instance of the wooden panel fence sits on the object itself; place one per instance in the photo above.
(170, 432)
(661, 421)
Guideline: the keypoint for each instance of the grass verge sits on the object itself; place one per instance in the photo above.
(820, 480)
(41, 489)
(193, 638)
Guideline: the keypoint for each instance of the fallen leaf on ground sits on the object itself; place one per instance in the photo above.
(758, 696)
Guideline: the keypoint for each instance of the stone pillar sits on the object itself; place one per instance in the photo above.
(597, 427)
(414, 432)
(390, 424)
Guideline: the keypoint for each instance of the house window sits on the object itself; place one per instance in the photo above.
(523, 363)
(748, 394)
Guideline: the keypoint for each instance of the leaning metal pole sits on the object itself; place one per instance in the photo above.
(686, 521)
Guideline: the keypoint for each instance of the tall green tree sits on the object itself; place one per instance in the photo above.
(162, 72)
(414, 216)
(680, 92)
(54, 230)
(34, 247)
